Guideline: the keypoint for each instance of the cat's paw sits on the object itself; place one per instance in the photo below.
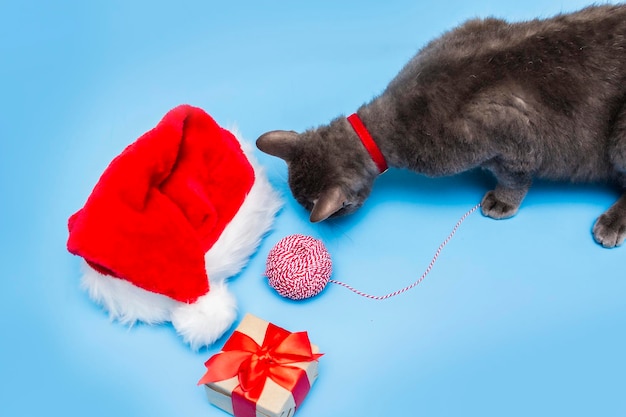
(495, 208)
(610, 230)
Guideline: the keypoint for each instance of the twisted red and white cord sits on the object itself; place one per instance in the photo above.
(426, 272)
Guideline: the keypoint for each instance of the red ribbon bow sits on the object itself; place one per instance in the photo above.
(254, 364)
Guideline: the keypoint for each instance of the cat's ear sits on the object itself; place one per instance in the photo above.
(330, 202)
(280, 143)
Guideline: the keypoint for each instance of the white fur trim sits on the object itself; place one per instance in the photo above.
(124, 301)
(204, 321)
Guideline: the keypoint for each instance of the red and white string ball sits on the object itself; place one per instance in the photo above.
(298, 267)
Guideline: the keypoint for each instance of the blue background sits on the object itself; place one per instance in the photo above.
(520, 317)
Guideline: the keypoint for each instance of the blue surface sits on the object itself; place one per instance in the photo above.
(519, 317)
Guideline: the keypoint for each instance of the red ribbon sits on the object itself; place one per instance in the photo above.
(254, 364)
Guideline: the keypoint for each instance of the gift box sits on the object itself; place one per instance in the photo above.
(262, 371)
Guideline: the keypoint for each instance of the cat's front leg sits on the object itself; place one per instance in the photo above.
(504, 201)
(610, 228)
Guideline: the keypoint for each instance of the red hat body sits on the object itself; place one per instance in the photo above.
(162, 204)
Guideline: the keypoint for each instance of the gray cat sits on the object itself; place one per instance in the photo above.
(538, 99)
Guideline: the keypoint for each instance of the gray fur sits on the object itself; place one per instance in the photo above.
(538, 99)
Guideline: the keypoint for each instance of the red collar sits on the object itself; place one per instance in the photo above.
(368, 142)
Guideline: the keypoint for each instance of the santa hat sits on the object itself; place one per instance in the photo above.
(175, 214)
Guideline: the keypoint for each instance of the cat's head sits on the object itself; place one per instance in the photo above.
(330, 172)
